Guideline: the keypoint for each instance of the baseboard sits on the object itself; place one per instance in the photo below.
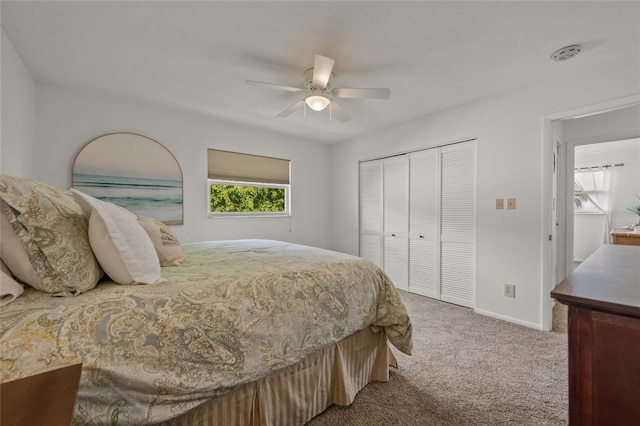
(509, 319)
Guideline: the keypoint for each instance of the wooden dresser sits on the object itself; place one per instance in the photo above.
(626, 237)
(603, 296)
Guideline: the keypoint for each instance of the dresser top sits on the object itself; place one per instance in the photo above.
(625, 233)
(608, 280)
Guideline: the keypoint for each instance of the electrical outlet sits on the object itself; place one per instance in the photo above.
(499, 203)
(510, 290)
(511, 203)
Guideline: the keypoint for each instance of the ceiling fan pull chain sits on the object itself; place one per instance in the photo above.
(330, 116)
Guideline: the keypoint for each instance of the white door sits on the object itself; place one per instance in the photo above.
(395, 218)
(424, 235)
(418, 220)
(371, 211)
(458, 224)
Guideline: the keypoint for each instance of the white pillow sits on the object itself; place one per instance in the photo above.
(9, 288)
(120, 244)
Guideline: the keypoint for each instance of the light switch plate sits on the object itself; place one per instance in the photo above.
(511, 203)
(499, 203)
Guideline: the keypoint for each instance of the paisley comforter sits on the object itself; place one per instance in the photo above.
(232, 313)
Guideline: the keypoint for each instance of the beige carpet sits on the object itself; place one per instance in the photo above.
(560, 318)
(467, 369)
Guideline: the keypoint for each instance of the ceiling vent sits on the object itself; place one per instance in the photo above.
(566, 52)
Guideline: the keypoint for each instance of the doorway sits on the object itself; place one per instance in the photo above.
(614, 120)
(606, 181)
(606, 184)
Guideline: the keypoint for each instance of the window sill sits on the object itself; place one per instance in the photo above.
(246, 215)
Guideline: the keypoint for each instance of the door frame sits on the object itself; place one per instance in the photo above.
(558, 239)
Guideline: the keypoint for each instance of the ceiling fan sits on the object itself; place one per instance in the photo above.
(318, 93)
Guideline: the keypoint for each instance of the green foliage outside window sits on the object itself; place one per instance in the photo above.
(233, 198)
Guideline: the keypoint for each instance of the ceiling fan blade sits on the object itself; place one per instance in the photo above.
(322, 68)
(293, 108)
(273, 86)
(338, 112)
(346, 92)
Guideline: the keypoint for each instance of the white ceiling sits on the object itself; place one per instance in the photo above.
(432, 55)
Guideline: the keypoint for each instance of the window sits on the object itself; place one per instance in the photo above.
(593, 190)
(247, 185)
(582, 202)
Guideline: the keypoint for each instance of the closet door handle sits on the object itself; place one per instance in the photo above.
(393, 235)
(421, 236)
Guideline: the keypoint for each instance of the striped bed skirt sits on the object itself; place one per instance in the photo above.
(296, 394)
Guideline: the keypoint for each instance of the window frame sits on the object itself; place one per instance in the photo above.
(287, 199)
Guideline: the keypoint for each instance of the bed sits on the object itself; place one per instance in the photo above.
(240, 332)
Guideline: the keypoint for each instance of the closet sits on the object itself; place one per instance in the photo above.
(417, 220)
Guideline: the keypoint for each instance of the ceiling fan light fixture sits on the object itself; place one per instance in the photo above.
(317, 102)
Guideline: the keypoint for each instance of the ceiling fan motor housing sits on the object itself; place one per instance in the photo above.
(309, 87)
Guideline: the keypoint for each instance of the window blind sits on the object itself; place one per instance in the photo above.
(239, 167)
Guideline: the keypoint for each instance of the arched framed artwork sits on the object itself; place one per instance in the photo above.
(134, 172)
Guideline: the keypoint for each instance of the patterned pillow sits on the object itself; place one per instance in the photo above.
(166, 243)
(54, 233)
(13, 253)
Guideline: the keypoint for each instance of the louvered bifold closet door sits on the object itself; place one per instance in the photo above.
(395, 205)
(458, 224)
(371, 211)
(424, 195)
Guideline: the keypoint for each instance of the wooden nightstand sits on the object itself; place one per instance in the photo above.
(626, 237)
(44, 399)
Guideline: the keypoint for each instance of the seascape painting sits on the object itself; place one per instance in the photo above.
(134, 172)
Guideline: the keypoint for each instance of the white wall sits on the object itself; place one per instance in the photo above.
(69, 118)
(18, 114)
(587, 235)
(509, 128)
